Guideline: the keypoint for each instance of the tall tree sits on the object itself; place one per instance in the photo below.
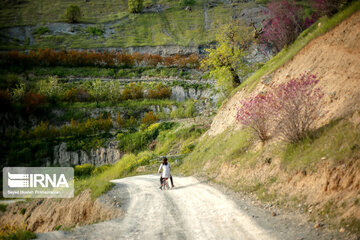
(73, 14)
(135, 6)
(227, 62)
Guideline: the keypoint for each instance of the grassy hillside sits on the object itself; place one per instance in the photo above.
(318, 175)
(322, 26)
(115, 27)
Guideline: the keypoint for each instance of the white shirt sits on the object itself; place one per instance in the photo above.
(165, 170)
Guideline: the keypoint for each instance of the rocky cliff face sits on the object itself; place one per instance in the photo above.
(103, 155)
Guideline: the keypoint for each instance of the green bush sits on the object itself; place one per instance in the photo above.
(187, 110)
(135, 6)
(135, 142)
(95, 31)
(84, 170)
(100, 169)
(41, 30)
(73, 14)
(185, 3)
(15, 233)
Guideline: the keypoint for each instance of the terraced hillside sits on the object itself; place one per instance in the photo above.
(107, 24)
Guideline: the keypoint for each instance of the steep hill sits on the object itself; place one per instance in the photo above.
(333, 57)
(318, 176)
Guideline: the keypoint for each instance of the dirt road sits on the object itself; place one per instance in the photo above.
(193, 210)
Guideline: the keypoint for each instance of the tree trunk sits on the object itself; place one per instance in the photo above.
(235, 78)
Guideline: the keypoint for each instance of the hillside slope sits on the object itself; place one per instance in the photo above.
(333, 57)
(319, 176)
(110, 25)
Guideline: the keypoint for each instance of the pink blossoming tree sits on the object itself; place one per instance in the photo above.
(297, 103)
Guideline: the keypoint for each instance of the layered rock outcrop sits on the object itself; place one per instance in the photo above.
(103, 155)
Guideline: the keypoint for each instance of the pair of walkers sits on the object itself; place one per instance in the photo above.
(166, 168)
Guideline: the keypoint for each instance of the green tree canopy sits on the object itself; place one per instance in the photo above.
(226, 62)
(73, 14)
(135, 6)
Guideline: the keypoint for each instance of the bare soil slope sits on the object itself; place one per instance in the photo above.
(333, 57)
(331, 189)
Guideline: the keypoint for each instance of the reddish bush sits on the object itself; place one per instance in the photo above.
(138, 58)
(72, 58)
(120, 120)
(160, 92)
(76, 95)
(33, 101)
(310, 20)
(255, 112)
(149, 118)
(292, 106)
(284, 24)
(297, 106)
(152, 60)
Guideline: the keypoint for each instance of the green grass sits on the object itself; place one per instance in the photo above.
(287, 53)
(100, 184)
(351, 224)
(33, 12)
(336, 141)
(16, 233)
(227, 146)
(174, 26)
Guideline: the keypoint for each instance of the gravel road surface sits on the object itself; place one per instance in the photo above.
(192, 210)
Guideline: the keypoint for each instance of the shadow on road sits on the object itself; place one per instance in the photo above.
(190, 185)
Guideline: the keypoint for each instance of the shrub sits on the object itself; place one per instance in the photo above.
(135, 6)
(84, 170)
(98, 90)
(152, 60)
(41, 130)
(8, 81)
(8, 232)
(255, 112)
(184, 3)
(33, 101)
(132, 122)
(49, 87)
(298, 106)
(41, 30)
(140, 140)
(18, 93)
(76, 95)
(95, 31)
(120, 120)
(132, 91)
(73, 58)
(284, 24)
(73, 14)
(160, 92)
(149, 118)
(100, 169)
